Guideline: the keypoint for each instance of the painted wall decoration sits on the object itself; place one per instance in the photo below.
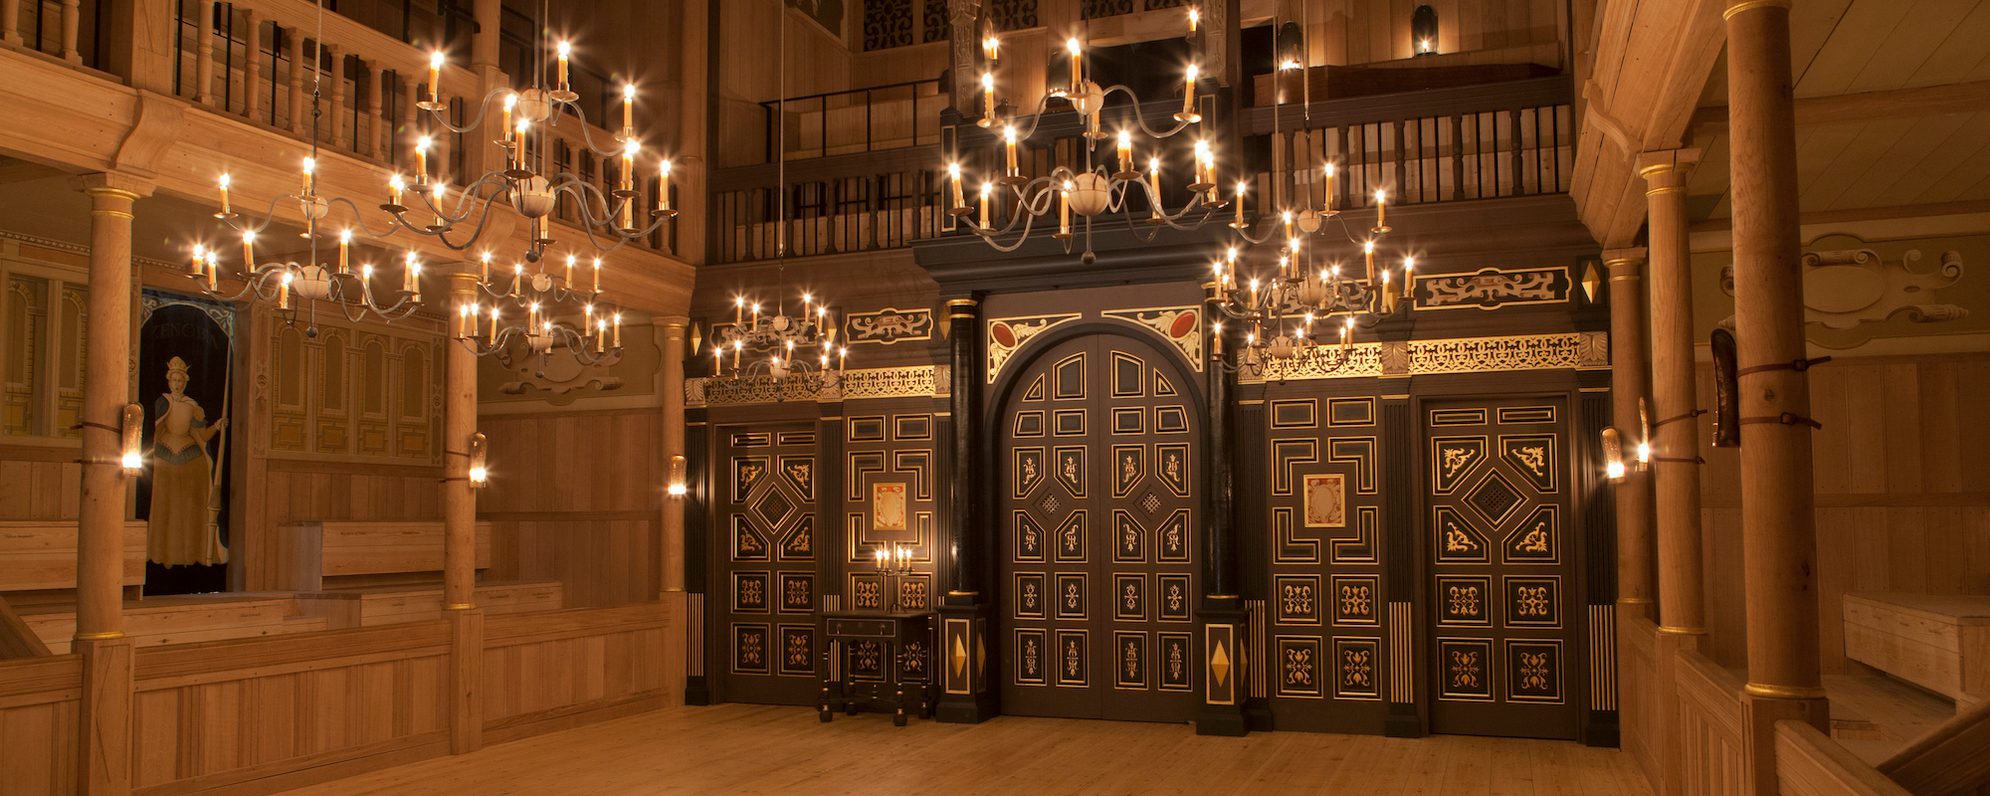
(185, 356)
(888, 506)
(1848, 284)
(887, 326)
(1005, 335)
(1180, 326)
(1492, 288)
(1326, 500)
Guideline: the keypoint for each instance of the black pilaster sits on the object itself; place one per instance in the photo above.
(967, 697)
(697, 507)
(1225, 625)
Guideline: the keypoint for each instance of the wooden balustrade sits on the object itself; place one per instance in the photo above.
(1809, 763)
(1706, 722)
(55, 27)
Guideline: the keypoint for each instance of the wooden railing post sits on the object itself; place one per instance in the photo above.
(203, 91)
(252, 69)
(373, 119)
(295, 38)
(1519, 156)
(338, 115)
(10, 21)
(1457, 156)
(72, 20)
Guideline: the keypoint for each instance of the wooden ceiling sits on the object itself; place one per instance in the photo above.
(1893, 108)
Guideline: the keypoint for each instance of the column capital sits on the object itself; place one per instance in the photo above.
(1659, 161)
(113, 183)
(673, 322)
(1735, 7)
(1627, 261)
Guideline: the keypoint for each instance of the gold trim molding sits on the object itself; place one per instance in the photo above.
(915, 381)
(1564, 351)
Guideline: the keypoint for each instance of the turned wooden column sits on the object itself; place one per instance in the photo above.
(252, 68)
(298, 114)
(72, 23)
(336, 74)
(10, 21)
(105, 710)
(459, 528)
(1675, 456)
(374, 121)
(484, 42)
(1779, 536)
(1627, 390)
(672, 581)
(203, 90)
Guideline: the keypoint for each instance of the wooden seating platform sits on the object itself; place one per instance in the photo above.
(41, 554)
(335, 554)
(1938, 642)
(182, 619)
(386, 605)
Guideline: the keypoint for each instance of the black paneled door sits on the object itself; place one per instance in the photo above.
(766, 543)
(1098, 511)
(1505, 657)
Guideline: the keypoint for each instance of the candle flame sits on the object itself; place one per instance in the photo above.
(437, 59)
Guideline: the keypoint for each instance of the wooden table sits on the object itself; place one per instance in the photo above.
(886, 661)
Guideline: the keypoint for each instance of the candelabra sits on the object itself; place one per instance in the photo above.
(537, 309)
(894, 563)
(800, 350)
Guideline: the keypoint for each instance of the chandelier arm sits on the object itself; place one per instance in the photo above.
(359, 219)
(1140, 118)
(483, 110)
(1036, 119)
(586, 133)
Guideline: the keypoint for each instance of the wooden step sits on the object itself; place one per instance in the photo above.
(183, 619)
(387, 605)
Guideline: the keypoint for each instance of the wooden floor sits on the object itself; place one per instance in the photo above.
(745, 748)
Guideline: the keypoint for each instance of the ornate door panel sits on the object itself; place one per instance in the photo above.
(766, 544)
(1098, 542)
(1504, 652)
(1325, 610)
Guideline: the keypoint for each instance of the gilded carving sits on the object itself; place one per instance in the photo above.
(1006, 335)
(1181, 327)
(888, 326)
(1492, 288)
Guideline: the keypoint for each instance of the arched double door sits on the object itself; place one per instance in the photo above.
(1099, 506)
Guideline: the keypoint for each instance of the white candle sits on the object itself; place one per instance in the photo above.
(224, 193)
(1077, 51)
(629, 109)
(663, 185)
(1188, 90)
(435, 61)
(566, 51)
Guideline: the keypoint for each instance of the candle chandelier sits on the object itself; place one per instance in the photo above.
(798, 351)
(1302, 314)
(543, 309)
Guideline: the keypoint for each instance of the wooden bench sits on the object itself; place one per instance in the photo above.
(386, 605)
(40, 555)
(332, 554)
(182, 619)
(1938, 642)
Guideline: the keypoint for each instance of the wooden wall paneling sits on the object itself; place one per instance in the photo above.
(38, 723)
(542, 670)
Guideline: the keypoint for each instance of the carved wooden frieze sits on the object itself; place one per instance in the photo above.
(1571, 350)
(916, 381)
(887, 326)
(1850, 285)
(1492, 288)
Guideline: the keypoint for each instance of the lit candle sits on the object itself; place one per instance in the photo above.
(531, 317)
(570, 271)
(601, 336)
(1381, 210)
(1388, 295)
(738, 310)
(988, 95)
(310, 165)
(1188, 91)
(224, 193)
(396, 185)
(1240, 202)
(597, 275)
(1126, 151)
(991, 47)
(566, 51)
(1154, 184)
(524, 126)
(987, 190)
(953, 176)
(248, 251)
(199, 258)
(1347, 332)
(663, 185)
(1064, 209)
(435, 60)
(345, 245)
(283, 291)
(462, 319)
(510, 103)
(842, 355)
(484, 270)
(438, 193)
(1329, 169)
(517, 278)
(1409, 279)
(629, 109)
(494, 324)
(1368, 259)
(618, 331)
(738, 348)
(1009, 143)
(1077, 51)
(756, 315)
(421, 158)
(718, 359)
(408, 271)
(213, 272)
(366, 278)
(1194, 19)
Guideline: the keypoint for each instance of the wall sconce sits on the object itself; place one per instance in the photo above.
(1613, 455)
(480, 453)
(676, 486)
(1644, 437)
(131, 431)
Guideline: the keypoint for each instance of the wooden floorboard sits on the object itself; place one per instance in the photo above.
(758, 749)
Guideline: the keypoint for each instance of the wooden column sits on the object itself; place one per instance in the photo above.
(10, 21)
(1675, 445)
(967, 696)
(298, 113)
(72, 20)
(672, 581)
(1779, 536)
(459, 528)
(252, 69)
(336, 73)
(105, 710)
(203, 89)
(1627, 390)
(484, 42)
(374, 121)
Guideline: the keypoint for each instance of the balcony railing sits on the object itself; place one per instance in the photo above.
(70, 30)
(1489, 141)
(871, 119)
